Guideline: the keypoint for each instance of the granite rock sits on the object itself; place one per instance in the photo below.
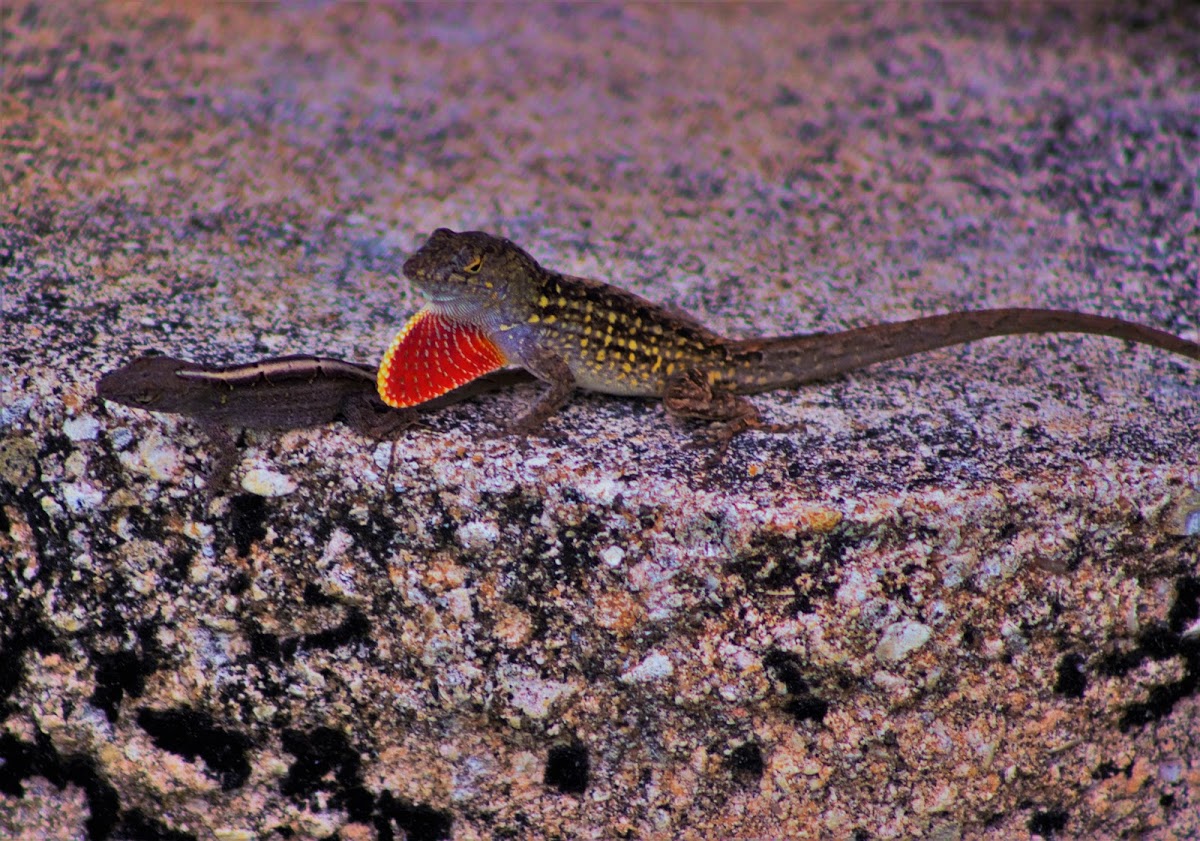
(961, 602)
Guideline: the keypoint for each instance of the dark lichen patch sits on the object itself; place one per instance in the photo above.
(1186, 608)
(1048, 823)
(314, 596)
(21, 760)
(577, 554)
(1107, 770)
(440, 523)
(180, 566)
(267, 646)
(808, 708)
(746, 762)
(148, 523)
(799, 701)
(546, 564)
(320, 753)
(567, 768)
(770, 562)
(1070, 678)
(137, 824)
(805, 564)
(416, 822)
(1162, 699)
(190, 734)
(354, 628)
(833, 547)
(238, 583)
(994, 820)
(521, 505)
(123, 673)
(1161, 642)
(325, 761)
(375, 535)
(568, 554)
(897, 587)
(22, 632)
(787, 669)
(247, 521)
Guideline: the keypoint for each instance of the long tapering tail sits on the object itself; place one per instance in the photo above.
(791, 360)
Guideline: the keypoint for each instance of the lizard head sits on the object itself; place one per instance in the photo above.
(470, 275)
(144, 383)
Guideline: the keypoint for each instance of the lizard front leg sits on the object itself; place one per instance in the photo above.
(370, 416)
(691, 396)
(553, 370)
(225, 458)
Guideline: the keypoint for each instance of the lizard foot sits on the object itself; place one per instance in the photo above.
(522, 433)
(690, 395)
(717, 436)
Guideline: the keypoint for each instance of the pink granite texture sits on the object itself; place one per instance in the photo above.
(960, 603)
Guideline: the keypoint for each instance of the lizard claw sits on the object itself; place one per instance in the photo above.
(715, 439)
(522, 434)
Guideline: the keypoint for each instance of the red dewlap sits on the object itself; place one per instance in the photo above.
(432, 355)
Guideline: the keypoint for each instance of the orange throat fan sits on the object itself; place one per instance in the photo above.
(432, 355)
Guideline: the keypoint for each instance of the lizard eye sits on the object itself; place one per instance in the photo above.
(474, 266)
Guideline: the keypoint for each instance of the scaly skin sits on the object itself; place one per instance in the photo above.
(290, 392)
(287, 392)
(573, 333)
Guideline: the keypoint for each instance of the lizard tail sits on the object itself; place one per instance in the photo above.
(784, 362)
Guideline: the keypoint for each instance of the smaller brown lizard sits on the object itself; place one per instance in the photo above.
(288, 392)
(491, 304)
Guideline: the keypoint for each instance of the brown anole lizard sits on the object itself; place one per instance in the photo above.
(490, 304)
(289, 392)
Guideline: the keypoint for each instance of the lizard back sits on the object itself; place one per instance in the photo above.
(611, 340)
(615, 341)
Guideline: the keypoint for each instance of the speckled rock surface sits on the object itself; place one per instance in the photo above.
(961, 603)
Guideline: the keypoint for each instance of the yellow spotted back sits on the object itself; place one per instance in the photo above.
(614, 341)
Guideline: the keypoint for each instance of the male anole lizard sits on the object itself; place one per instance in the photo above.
(491, 304)
(288, 392)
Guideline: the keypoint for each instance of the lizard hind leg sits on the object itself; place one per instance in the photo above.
(219, 475)
(370, 416)
(690, 395)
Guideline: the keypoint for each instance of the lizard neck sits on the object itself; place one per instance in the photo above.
(497, 313)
